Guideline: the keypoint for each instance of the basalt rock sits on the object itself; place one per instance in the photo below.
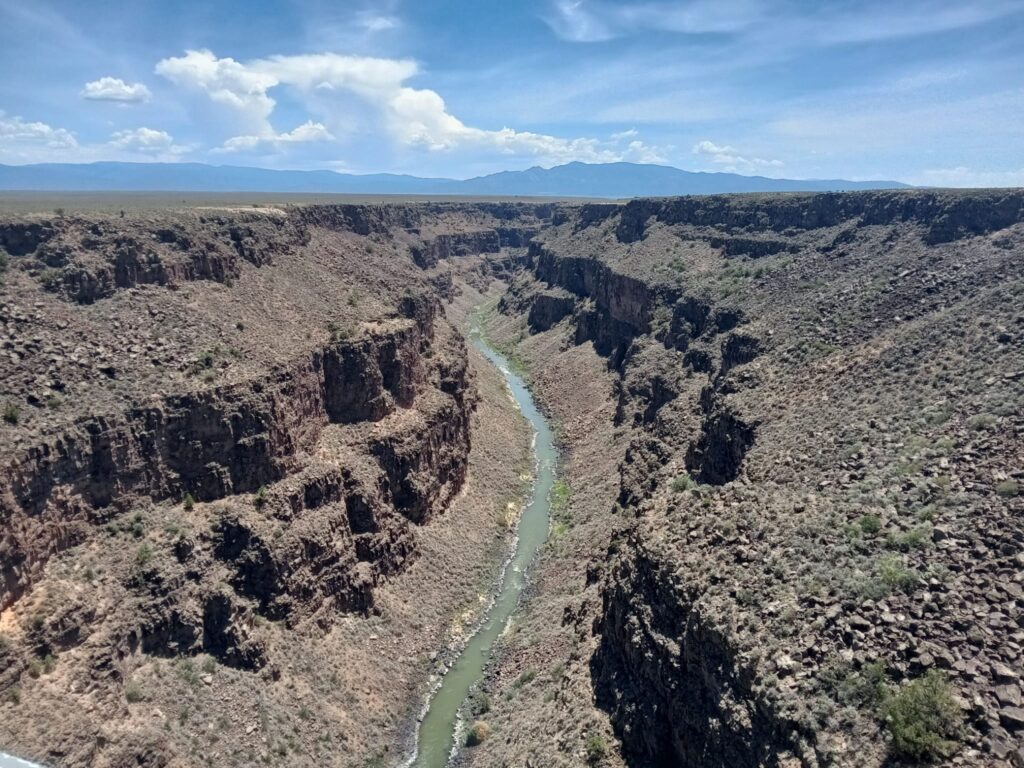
(219, 442)
(549, 308)
(670, 679)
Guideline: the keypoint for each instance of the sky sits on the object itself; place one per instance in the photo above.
(928, 92)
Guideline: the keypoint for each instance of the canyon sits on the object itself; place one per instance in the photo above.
(257, 487)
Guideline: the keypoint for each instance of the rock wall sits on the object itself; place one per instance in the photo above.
(670, 679)
(234, 439)
(945, 216)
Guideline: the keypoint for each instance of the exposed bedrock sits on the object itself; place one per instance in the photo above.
(642, 328)
(626, 300)
(88, 261)
(944, 216)
(666, 673)
(446, 246)
(549, 308)
(233, 439)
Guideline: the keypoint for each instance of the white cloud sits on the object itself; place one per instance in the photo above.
(14, 130)
(115, 89)
(147, 140)
(730, 157)
(572, 21)
(414, 117)
(627, 134)
(912, 18)
(373, 22)
(595, 21)
(308, 131)
(590, 21)
(225, 81)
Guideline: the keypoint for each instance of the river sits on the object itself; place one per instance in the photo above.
(440, 725)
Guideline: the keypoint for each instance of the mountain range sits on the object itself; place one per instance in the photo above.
(609, 180)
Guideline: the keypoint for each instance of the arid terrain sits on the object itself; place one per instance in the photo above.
(256, 483)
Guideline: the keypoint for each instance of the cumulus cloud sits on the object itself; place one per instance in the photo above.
(308, 131)
(115, 89)
(730, 157)
(15, 130)
(225, 81)
(147, 140)
(414, 117)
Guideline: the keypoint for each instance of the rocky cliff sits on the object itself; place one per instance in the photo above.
(816, 392)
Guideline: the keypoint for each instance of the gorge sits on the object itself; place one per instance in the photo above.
(257, 485)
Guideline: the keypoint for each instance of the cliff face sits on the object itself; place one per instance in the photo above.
(944, 217)
(668, 672)
(282, 392)
(802, 478)
(220, 442)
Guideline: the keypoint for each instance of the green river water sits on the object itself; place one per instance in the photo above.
(437, 731)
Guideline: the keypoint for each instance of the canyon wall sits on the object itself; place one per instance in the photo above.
(773, 356)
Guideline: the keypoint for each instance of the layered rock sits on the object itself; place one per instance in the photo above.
(209, 445)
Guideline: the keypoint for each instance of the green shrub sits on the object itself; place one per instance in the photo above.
(479, 703)
(870, 524)
(186, 670)
(144, 554)
(43, 666)
(11, 413)
(205, 361)
(923, 718)
(337, 332)
(597, 748)
(1008, 488)
(681, 483)
(133, 692)
(866, 688)
(261, 496)
(894, 573)
(52, 279)
(982, 421)
(188, 502)
(560, 495)
(478, 733)
(525, 678)
(918, 537)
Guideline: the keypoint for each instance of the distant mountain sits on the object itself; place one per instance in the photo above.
(612, 180)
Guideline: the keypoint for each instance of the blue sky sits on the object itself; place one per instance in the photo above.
(924, 91)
